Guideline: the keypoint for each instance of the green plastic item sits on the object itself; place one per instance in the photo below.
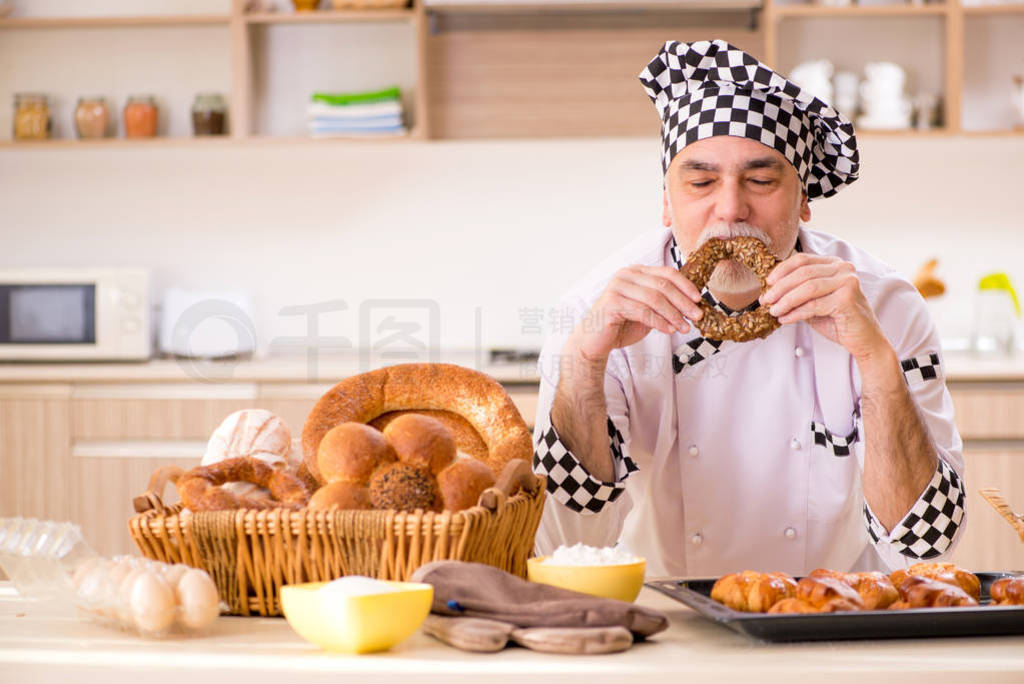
(1000, 282)
(392, 93)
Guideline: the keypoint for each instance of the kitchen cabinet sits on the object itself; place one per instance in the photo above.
(539, 69)
(35, 461)
(82, 451)
(989, 418)
(967, 55)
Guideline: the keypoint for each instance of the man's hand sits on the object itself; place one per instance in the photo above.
(635, 301)
(825, 292)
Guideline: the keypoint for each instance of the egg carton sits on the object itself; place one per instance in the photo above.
(147, 597)
(50, 563)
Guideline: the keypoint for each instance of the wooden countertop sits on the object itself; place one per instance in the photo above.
(37, 644)
(961, 367)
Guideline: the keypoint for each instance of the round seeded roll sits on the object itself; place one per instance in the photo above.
(403, 487)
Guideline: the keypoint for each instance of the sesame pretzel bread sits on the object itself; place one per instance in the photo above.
(200, 490)
(699, 266)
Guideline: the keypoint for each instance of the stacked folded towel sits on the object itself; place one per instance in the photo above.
(361, 114)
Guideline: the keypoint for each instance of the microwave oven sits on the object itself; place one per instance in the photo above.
(74, 314)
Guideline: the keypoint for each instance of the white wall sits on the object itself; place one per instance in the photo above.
(494, 226)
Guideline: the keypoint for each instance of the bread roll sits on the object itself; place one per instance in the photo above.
(350, 452)
(420, 441)
(345, 495)
(403, 487)
(462, 482)
(467, 439)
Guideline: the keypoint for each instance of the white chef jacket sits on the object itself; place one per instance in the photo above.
(731, 456)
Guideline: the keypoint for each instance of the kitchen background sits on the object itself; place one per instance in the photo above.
(493, 230)
(526, 153)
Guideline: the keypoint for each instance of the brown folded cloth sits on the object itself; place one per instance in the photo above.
(483, 591)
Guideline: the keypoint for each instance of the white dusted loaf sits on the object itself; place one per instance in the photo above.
(250, 432)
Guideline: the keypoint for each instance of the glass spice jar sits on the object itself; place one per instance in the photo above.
(140, 116)
(31, 117)
(91, 117)
(209, 113)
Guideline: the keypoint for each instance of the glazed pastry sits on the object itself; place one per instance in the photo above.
(753, 592)
(923, 592)
(874, 588)
(1008, 591)
(943, 572)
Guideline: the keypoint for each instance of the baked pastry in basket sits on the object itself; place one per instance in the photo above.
(412, 465)
(467, 399)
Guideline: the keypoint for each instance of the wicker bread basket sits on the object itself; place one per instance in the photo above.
(251, 554)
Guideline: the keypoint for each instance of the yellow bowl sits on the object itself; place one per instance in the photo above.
(621, 582)
(356, 624)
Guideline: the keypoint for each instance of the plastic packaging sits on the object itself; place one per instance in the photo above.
(40, 556)
(51, 562)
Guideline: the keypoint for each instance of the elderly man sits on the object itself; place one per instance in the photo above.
(829, 443)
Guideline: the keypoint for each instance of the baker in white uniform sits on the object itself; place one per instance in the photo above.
(829, 443)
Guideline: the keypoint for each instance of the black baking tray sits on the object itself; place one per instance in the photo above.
(866, 624)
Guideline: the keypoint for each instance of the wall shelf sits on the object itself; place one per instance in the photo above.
(168, 20)
(783, 11)
(498, 82)
(330, 16)
(1014, 8)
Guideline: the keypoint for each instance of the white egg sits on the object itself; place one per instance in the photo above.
(119, 569)
(123, 598)
(152, 604)
(198, 600)
(173, 573)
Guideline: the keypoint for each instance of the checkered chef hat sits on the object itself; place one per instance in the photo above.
(710, 88)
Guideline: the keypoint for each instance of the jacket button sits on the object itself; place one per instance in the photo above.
(798, 352)
(697, 539)
(790, 533)
(795, 444)
(694, 451)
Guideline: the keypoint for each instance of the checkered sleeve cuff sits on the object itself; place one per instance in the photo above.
(931, 526)
(568, 482)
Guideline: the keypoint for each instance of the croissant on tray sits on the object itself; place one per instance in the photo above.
(874, 588)
(821, 594)
(923, 592)
(943, 572)
(922, 585)
(1008, 591)
(753, 592)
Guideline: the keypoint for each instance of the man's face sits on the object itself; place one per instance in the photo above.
(726, 186)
